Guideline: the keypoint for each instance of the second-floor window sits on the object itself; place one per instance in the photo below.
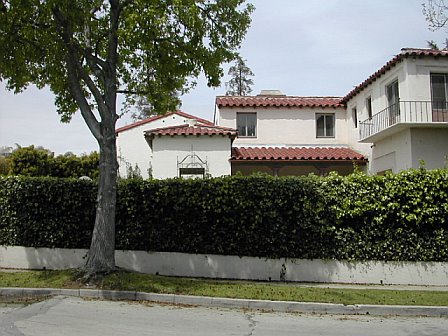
(369, 106)
(355, 117)
(246, 124)
(325, 125)
(392, 93)
(439, 90)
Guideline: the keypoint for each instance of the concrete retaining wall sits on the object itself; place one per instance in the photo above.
(233, 267)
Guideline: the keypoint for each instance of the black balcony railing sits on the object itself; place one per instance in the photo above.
(404, 112)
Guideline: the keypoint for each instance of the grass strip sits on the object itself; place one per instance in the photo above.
(244, 290)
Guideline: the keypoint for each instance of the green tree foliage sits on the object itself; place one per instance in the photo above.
(144, 109)
(31, 161)
(88, 51)
(240, 83)
(5, 165)
(70, 165)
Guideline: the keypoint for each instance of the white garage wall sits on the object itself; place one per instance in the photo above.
(132, 148)
(168, 150)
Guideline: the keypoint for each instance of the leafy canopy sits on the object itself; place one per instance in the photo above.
(159, 46)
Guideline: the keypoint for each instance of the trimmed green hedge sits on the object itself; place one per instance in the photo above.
(46, 212)
(254, 216)
(397, 217)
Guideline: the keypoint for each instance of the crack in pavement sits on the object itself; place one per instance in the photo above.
(8, 321)
(252, 323)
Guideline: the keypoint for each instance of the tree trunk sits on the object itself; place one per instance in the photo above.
(101, 257)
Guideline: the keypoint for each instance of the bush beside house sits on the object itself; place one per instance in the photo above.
(402, 217)
(38, 161)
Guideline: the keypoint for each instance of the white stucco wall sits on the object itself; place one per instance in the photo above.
(133, 149)
(418, 84)
(405, 149)
(392, 153)
(234, 267)
(167, 150)
(377, 91)
(413, 75)
(431, 146)
(285, 126)
(401, 150)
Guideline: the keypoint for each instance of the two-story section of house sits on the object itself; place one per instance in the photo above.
(287, 135)
(402, 112)
(395, 120)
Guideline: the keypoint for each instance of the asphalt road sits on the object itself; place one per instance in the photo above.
(67, 316)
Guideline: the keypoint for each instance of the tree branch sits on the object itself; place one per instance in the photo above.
(94, 58)
(110, 85)
(73, 75)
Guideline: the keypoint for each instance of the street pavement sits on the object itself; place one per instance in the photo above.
(69, 316)
(216, 302)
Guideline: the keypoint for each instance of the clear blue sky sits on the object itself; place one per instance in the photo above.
(303, 48)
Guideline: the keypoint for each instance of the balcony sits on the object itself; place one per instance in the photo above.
(402, 115)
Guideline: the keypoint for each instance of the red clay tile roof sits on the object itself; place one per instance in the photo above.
(295, 153)
(405, 53)
(191, 130)
(145, 121)
(278, 101)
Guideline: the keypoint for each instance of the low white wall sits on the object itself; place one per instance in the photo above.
(233, 267)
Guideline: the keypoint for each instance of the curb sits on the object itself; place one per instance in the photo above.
(215, 302)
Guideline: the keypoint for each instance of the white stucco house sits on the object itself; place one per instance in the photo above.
(394, 120)
(402, 111)
(173, 145)
(285, 135)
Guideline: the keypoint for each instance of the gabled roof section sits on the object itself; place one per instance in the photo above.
(295, 154)
(278, 101)
(151, 119)
(197, 130)
(405, 53)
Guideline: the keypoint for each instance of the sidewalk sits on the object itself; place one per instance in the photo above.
(264, 305)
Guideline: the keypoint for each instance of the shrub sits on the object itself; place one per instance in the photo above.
(46, 212)
(395, 217)
(31, 161)
(358, 217)
(5, 165)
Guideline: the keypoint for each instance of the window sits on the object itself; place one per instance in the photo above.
(325, 125)
(439, 90)
(393, 100)
(369, 107)
(246, 124)
(192, 172)
(355, 117)
(393, 96)
(439, 97)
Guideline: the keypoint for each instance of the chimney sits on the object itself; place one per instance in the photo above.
(276, 93)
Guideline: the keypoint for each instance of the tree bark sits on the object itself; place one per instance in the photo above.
(101, 257)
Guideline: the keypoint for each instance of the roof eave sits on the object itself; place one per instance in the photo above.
(361, 161)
